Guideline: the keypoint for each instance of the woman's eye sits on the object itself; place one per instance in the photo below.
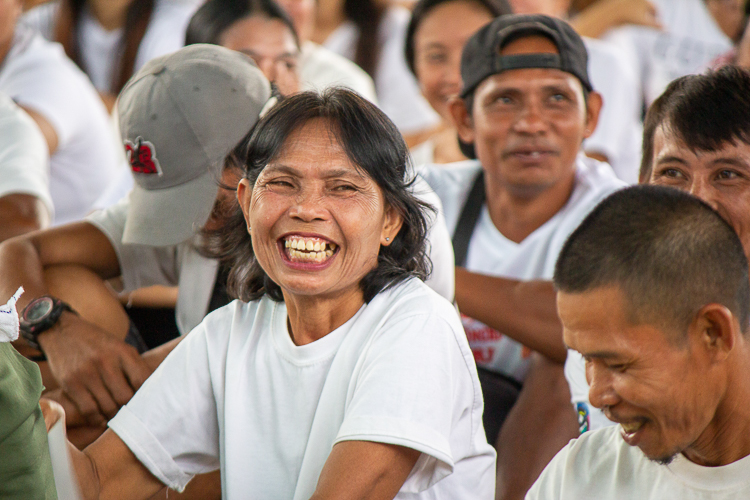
(436, 58)
(279, 183)
(344, 188)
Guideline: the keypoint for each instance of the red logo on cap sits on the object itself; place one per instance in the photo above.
(142, 157)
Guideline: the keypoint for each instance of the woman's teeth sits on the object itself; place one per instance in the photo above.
(309, 249)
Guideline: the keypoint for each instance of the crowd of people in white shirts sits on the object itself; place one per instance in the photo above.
(82, 225)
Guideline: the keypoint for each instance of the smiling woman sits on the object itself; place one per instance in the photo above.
(338, 373)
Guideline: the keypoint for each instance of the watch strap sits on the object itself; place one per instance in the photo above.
(30, 331)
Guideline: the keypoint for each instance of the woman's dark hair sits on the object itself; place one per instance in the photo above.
(137, 19)
(215, 16)
(366, 15)
(373, 144)
(496, 8)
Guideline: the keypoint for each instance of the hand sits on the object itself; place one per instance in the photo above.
(52, 412)
(96, 372)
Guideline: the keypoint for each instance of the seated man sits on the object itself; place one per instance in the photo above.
(697, 139)
(524, 112)
(653, 291)
(25, 203)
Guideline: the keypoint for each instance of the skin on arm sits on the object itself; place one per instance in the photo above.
(21, 213)
(364, 470)
(743, 49)
(96, 371)
(525, 311)
(540, 423)
(108, 470)
(601, 16)
(48, 131)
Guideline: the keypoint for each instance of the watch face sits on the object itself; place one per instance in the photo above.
(38, 309)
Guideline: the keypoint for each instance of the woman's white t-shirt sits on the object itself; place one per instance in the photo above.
(239, 395)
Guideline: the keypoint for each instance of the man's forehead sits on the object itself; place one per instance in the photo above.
(667, 142)
(531, 44)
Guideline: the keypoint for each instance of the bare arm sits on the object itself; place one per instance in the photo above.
(524, 311)
(364, 470)
(48, 131)
(96, 371)
(743, 49)
(107, 469)
(21, 213)
(604, 15)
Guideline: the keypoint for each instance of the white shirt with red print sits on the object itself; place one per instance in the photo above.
(491, 253)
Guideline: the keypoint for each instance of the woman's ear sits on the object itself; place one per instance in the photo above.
(391, 226)
(244, 197)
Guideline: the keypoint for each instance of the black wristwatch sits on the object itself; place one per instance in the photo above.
(40, 315)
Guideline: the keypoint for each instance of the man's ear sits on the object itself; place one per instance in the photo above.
(716, 329)
(391, 226)
(593, 108)
(462, 119)
(244, 197)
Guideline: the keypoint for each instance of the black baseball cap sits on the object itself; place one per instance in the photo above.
(481, 56)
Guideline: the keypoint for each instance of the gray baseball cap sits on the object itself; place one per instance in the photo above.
(179, 117)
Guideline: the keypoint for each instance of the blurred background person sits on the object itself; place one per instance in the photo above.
(260, 29)
(318, 66)
(371, 33)
(25, 202)
(691, 34)
(435, 38)
(111, 39)
(37, 75)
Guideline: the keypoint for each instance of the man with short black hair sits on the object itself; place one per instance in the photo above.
(653, 291)
(696, 138)
(526, 107)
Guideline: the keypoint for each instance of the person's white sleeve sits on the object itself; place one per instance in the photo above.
(24, 158)
(42, 18)
(140, 265)
(550, 482)
(171, 424)
(439, 244)
(589, 417)
(166, 31)
(406, 394)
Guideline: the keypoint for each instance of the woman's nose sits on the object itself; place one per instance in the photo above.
(308, 206)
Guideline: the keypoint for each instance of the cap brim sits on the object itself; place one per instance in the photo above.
(163, 217)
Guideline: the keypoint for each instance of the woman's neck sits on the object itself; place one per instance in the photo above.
(312, 318)
(111, 14)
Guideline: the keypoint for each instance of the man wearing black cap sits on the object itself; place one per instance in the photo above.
(526, 107)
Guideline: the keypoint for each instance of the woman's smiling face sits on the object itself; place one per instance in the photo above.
(317, 221)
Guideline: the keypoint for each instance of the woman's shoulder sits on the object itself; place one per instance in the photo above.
(411, 298)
